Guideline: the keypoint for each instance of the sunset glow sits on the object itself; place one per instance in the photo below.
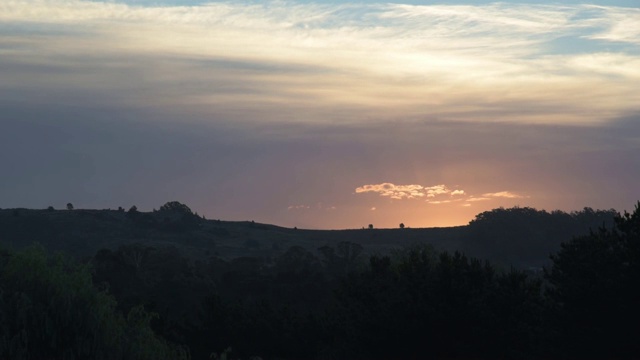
(320, 115)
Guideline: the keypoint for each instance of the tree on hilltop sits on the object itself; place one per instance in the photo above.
(175, 206)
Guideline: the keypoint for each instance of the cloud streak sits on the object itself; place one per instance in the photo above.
(375, 60)
(504, 194)
(298, 207)
(429, 193)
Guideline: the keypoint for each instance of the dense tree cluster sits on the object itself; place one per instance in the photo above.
(50, 309)
(526, 236)
(427, 305)
(594, 286)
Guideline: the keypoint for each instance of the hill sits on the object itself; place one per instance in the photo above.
(523, 237)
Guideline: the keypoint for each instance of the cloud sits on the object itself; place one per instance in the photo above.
(318, 206)
(491, 196)
(617, 24)
(273, 59)
(474, 199)
(500, 194)
(436, 190)
(400, 192)
(415, 191)
(439, 202)
(393, 191)
(298, 207)
(504, 194)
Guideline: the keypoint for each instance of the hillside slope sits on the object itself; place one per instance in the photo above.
(523, 237)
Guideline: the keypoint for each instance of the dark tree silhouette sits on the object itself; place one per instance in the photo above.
(69, 206)
(527, 236)
(595, 290)
(174, 206)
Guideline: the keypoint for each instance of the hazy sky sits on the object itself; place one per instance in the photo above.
(321, 114)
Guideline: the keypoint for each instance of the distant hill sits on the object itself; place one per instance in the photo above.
(523, 237)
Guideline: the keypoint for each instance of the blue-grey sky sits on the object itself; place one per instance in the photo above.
(327, 114)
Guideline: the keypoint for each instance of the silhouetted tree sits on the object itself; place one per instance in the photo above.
(69, 206)
(594, 287)
(401, 225)
(526, 236)
(370, 226)
(174, 206)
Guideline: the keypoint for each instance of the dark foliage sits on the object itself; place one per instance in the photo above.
(594, 291)
(331, 302)
(176, 207)
(49, 309)
(453, 306)
(525, 236)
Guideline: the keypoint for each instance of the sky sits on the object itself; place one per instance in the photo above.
(321, 114)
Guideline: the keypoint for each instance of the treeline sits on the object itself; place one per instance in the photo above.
(416, 303)
(525, 237)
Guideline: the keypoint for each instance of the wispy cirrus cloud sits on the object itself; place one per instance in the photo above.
(474, 199)
(495, 195)
(318, 206)
(438, 202)
(484, 62)
(616, 24)
(504, 194)
(298, 207)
